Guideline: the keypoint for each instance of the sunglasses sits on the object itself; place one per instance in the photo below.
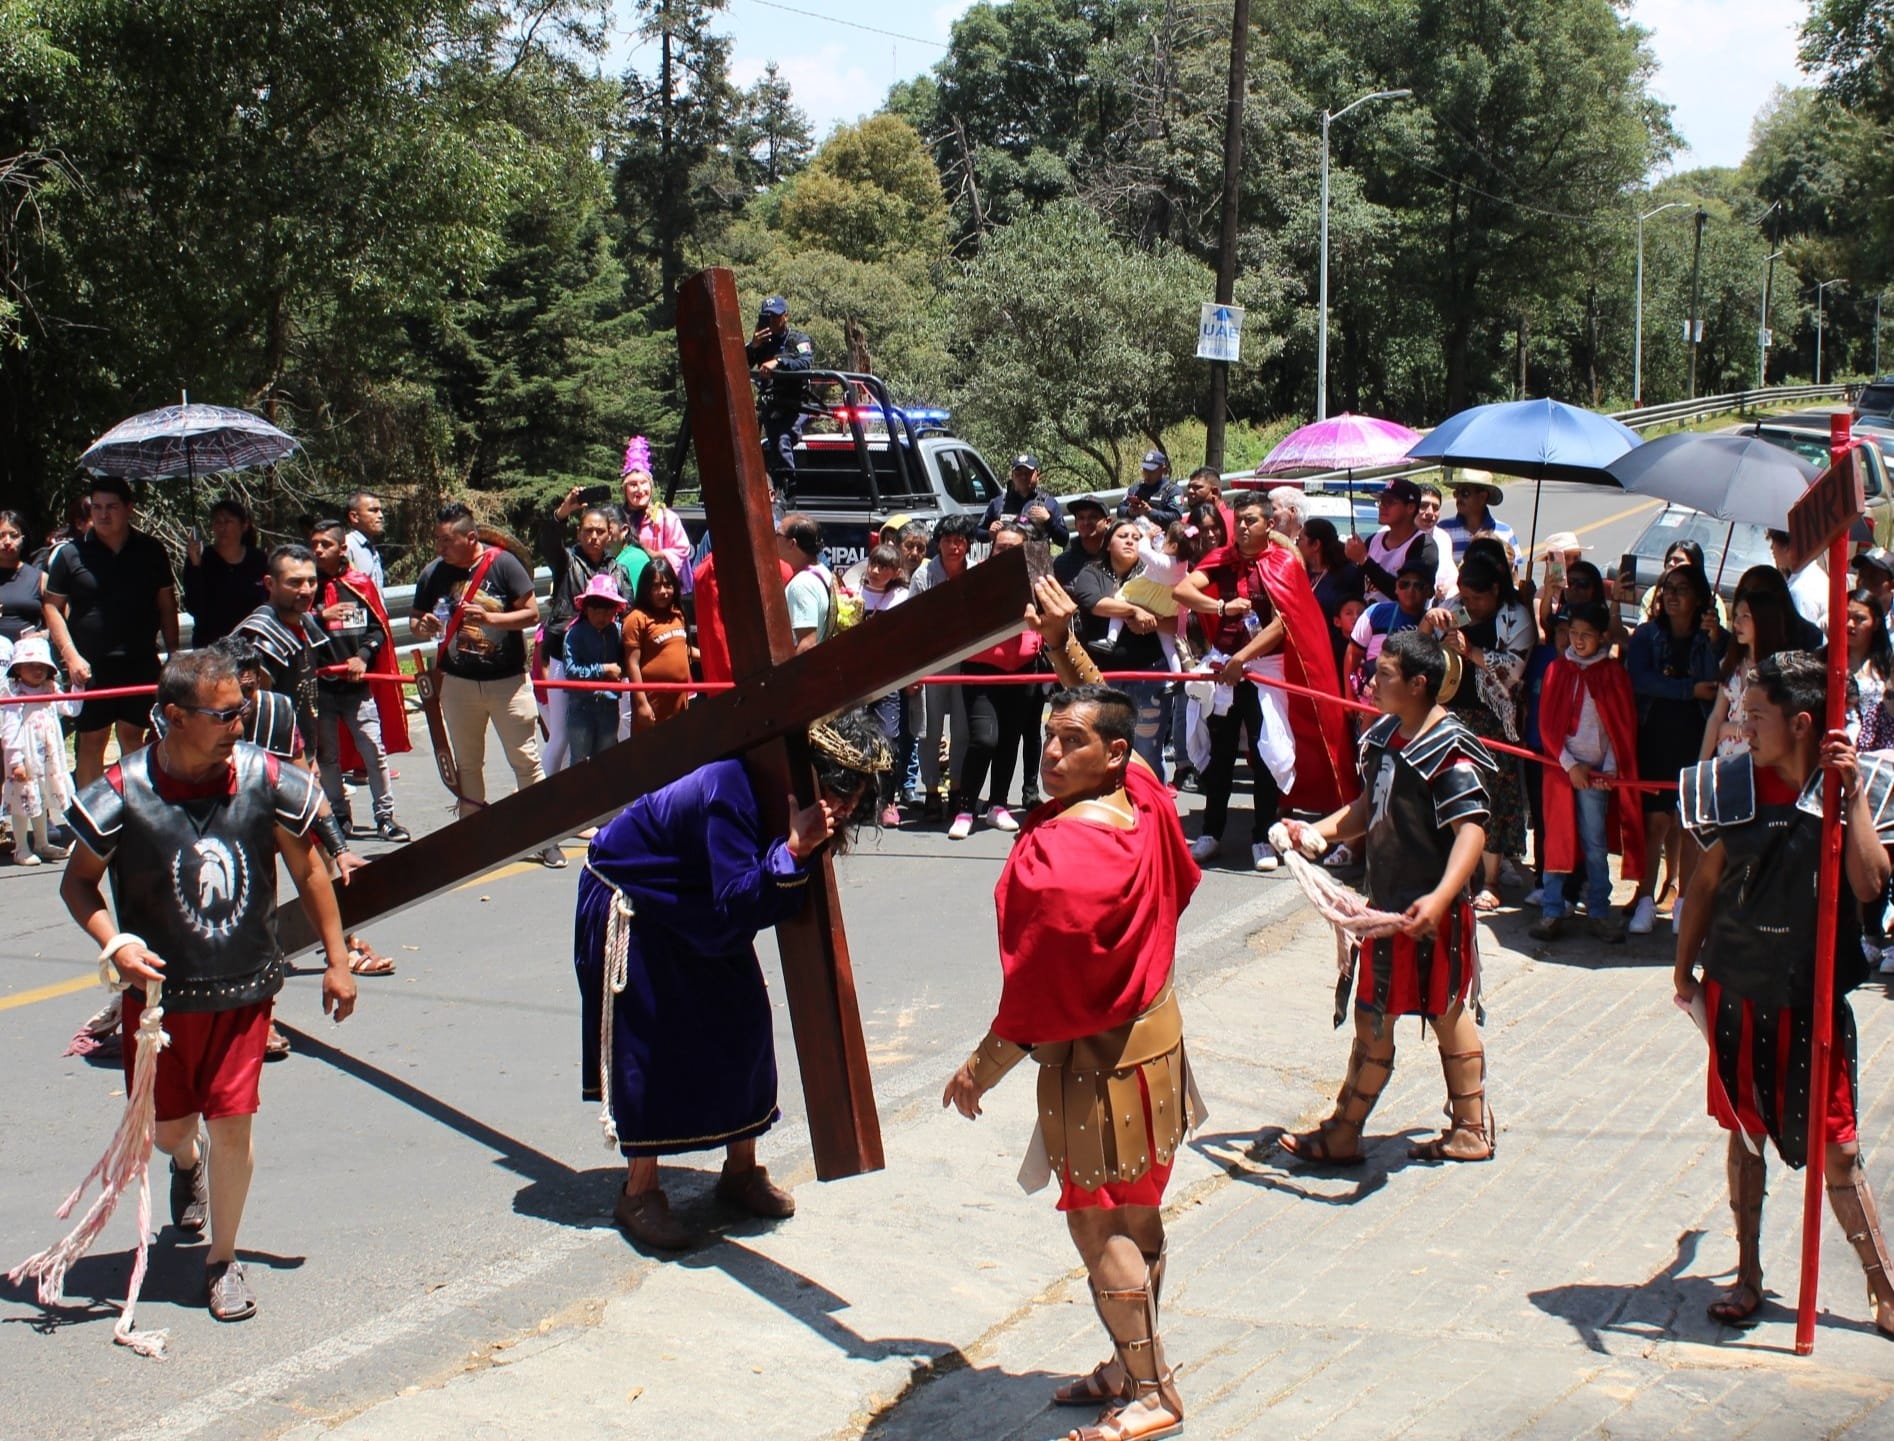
(226, 715)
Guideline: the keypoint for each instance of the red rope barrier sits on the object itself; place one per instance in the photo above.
(710, 687)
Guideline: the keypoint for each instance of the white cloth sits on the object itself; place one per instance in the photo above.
(1447, 577)
(1205, 698)
(1389, 558)
(1808, 587)
(1588, 744)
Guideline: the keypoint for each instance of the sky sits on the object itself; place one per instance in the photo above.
(1719, 60)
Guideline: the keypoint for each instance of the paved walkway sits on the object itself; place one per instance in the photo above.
(1556, 1292)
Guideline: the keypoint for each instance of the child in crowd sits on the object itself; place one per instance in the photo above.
(33, 753)
(1166, 559)
(657, 645)
(1588, 719)
(592, 653)
(1414, 593)
(884, 586)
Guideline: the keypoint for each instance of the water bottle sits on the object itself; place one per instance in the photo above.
(1252, 622)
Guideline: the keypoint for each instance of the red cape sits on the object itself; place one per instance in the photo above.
(1326, 778)
(1561, 699)
(712, 647)
(1088, 917)
(390, 698)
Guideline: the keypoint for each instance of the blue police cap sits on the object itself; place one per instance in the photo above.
(775, 305)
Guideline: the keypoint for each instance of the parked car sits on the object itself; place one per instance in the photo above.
(1876, 398)
(1876, 455)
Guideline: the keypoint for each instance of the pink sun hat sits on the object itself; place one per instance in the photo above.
(600, 588)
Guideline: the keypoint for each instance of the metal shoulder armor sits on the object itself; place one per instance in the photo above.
(1716, 793)
(1877, 781)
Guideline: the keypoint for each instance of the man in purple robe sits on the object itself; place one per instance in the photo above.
(674, 892)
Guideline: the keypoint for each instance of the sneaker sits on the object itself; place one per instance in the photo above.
(1001, 819)
(552, 858)
(1534, 896)
(1886, 967)
(1608, 930)
(962, 827)
(1186, 779)
(1263, 856)
(1029, 799)
(1643, 915)
(392, 830)
(1205, 849)
(1547, 928)
(890, 817)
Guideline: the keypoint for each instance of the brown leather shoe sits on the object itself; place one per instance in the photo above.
(753, 1192)
(647, 1219)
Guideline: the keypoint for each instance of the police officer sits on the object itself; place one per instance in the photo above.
(775, 349)
(1154, 497)
(1024, 501)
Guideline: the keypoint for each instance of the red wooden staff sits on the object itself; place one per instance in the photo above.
(1821, 518)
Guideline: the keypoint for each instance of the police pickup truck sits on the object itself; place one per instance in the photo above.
(861, 459)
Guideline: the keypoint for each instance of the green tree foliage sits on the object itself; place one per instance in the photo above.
(772, 135)
(871, 193)
(1067, 338)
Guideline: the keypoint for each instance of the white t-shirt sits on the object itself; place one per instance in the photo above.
(1389, 558)
(875, 600)
(1808, 588)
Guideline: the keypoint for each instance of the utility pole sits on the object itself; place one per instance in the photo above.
(1696, 298)
(1762, 323)
(1226, 243)
(1637, 343)
(1321, 303)
(1821, 289)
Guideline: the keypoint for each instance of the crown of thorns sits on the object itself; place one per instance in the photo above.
(826, 741)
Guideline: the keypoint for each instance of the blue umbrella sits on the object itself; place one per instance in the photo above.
(186, 440)
(1542, 439)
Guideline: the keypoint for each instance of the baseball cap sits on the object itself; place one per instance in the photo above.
(1025, 460)
(775, 305)
(894, 522)
(1875, 559)
(1155, 460)
(1403, 490)
(1086, 502)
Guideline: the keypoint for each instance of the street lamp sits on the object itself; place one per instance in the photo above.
(1820, 289)
(1877, 333)
(1762, 324)
(1321, 326)
(1637, 344)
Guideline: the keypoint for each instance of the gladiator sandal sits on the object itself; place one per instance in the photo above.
(1469, 1135)
(1106, 1383)
(1151, 1407)
(1853, 1205)
(1748, 1185)
(1354, 1103)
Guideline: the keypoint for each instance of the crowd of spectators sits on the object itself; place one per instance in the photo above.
(1167, 587)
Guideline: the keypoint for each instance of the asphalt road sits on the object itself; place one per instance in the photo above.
(429, 1184)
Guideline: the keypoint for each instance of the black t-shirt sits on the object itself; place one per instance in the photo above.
(1130, 651)
(20, 609)
(479, 652)
(112, 597)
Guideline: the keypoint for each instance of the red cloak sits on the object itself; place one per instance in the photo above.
(1561, 701)
(713, 648)
(391, 704)
(1326, 778)
(1088, 917)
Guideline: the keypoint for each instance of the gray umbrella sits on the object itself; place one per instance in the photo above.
(186, 440)
(1737, 478)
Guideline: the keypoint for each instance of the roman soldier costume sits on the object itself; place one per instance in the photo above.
(194, 872)
(289, 655)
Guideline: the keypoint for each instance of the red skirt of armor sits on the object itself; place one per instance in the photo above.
(1759, 1064)
(1147, 1190)
(1400, 976)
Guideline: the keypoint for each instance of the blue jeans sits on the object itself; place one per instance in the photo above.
(1148, 740)
(591, 723)
(1590, 809)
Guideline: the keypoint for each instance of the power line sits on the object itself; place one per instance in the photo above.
(851, 24)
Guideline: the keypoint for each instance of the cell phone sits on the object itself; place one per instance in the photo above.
(596, 494)
(1554, 568)
(1038, 560)
(1628, 569)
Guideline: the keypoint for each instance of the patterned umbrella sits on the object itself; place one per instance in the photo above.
(1342, 442)
(186, 440)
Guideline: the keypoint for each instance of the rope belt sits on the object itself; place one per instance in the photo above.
(1351, 918)
(613, 978)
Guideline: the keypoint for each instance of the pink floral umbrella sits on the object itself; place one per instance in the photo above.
(1342, 442)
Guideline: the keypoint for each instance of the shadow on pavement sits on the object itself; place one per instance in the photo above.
(1253, 1158)
(1671, 1306)
(95, 1286)
(953, 1400)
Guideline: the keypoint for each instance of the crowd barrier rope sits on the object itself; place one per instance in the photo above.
(712, 687)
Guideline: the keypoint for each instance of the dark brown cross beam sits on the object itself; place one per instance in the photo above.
(778, 694)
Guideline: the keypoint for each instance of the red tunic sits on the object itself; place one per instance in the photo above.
(1561, 701)
(391, 706)
(713, 648)
(1088, 917)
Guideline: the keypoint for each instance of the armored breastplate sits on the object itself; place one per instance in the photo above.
(197, 878)
(1762, 935)
(1416, 793)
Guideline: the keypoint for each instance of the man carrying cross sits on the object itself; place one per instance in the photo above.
(674, 892)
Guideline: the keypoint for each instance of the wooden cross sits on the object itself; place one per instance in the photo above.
(778, 694)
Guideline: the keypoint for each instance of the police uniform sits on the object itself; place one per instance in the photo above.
(779, 403)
